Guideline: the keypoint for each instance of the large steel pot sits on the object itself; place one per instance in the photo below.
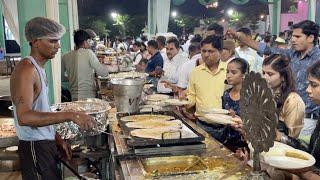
(127, 94)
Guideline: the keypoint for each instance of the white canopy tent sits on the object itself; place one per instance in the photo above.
(158, 16)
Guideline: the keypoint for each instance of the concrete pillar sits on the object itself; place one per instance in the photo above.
(312, 4)
(2, 39)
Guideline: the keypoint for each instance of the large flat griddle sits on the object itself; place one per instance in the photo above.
(143, 144)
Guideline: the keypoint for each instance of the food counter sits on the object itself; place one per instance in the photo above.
(212, 162)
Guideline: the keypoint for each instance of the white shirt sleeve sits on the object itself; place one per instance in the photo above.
(183, 77)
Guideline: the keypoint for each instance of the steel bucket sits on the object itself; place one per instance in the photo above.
(127, 94)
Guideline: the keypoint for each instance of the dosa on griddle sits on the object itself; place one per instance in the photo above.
(148, 124)
(144, 117)
(157, 133)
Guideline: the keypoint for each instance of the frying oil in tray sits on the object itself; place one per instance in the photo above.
(185, 164)
(214, 162)
(173, 165)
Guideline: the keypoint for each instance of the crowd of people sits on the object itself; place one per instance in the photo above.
(206, 70)
(211, 76)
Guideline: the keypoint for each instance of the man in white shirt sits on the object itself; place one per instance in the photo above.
(79, 67)
(161, 40)
(175, 59)
(250, 55)
(186, 45)
(187, 67)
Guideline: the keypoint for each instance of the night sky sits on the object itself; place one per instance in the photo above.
(190, 7)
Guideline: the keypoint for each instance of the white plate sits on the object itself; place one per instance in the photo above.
(214, 111)
(283, 162)
(12, 148)
(157, 97)
(218, 118)
(277, 158)
(155, 103)
(176, 102)
(150, 108)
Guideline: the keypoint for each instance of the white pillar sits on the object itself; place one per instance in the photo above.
(152, 18)
(73, 25)
(163, 15)
(275, 15)
(75, 15)
(312, 10)
(52, 10)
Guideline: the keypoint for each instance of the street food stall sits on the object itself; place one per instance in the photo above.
(163, 144)
(146, 136)
(155, 143)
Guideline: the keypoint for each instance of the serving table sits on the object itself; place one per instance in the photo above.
(129, 166)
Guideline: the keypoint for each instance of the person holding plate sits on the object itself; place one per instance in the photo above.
(236, 70)
(313, 90)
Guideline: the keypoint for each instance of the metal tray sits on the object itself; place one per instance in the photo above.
(137, 142)
(9, 141)
(174, 165)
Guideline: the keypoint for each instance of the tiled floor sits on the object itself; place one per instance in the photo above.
(4, 85)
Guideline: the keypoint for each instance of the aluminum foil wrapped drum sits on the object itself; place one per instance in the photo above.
(96, 108)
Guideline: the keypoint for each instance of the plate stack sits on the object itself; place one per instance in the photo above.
(156, 99)
(215, 116)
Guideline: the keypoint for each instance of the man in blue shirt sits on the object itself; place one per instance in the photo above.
(156, 59)
(155, 63)
(302, 55)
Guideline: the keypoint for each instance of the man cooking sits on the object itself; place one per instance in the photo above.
(38, 140)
